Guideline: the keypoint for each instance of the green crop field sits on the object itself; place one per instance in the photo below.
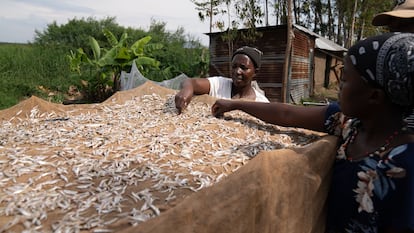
(27, 70)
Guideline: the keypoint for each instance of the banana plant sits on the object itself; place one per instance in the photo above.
(102, 71)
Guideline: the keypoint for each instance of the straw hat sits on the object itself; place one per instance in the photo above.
(403, 9)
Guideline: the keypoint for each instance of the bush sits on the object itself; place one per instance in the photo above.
(25, 69)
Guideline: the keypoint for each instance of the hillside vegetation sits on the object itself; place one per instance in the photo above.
(42, 68)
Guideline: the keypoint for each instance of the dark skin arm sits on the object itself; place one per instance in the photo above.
(191, 86)
(276, 113)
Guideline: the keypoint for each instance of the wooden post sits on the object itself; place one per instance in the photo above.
(288, 53)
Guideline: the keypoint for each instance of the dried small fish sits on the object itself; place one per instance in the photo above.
(99, 230)
(91, 168)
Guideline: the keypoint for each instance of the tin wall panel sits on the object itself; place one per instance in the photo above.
(299, 89)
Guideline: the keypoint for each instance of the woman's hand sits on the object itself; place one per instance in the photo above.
(182, 99)
(221, 106)
(190, 87)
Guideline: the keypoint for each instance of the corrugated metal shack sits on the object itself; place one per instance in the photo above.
(305, 63)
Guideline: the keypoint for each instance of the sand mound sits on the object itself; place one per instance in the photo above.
(132, 164)
(33, 105)
(148, 88)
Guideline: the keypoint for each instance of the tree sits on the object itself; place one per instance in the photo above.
(209, 9)
(334, 18)
(250, 14)
(338, 20)
(280, 9)
(330, 24)
(318, 9)
(182, 53)
(76, 32)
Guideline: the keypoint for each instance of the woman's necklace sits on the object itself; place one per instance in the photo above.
(376, 152)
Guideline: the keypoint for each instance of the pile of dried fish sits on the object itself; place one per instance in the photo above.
(125, 163)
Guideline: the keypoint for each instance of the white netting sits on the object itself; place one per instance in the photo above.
(134, 79)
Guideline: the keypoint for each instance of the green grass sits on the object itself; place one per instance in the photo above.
(27, 70)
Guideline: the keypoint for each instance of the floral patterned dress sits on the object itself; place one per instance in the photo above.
(371, 193)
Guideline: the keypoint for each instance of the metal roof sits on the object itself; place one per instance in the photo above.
(321, 42)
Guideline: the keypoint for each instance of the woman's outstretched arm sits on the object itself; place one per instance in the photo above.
(276, 113)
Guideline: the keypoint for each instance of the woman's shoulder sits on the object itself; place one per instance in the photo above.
(332, 108)
(218, 81)
(335, 121)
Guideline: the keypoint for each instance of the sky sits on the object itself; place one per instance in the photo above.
(20, 18)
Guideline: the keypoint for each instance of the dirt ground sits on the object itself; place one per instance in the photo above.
(323, 94)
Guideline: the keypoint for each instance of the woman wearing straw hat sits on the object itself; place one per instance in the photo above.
(400, 19)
